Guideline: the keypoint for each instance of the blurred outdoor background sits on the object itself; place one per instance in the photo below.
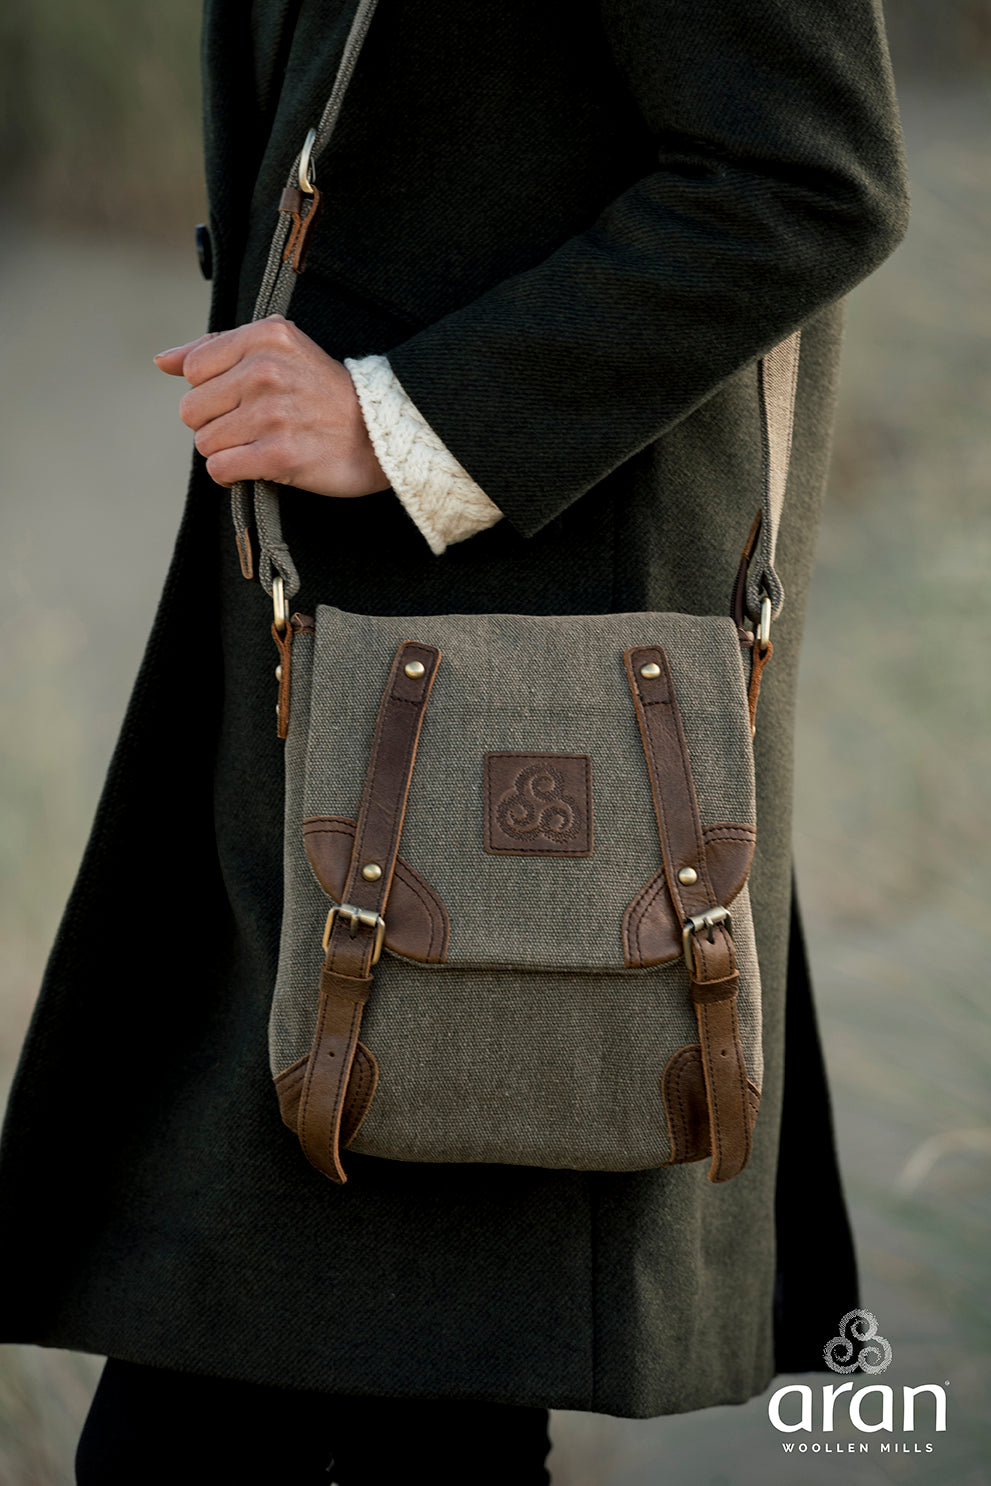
(99, 122)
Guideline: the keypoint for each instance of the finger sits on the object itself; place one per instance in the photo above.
(201, 405)
(171, 361)
(215, 356)
(230, 431)
(243, 462)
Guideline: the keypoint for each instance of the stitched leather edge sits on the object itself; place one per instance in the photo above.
(345, 977)
(430, 900)
(360, 1092)
(654, 897)
(683, 1094)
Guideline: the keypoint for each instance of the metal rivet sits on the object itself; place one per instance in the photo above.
(650, 670)
(687, 875)
(278, 710)
(278, 673)
(414, 669)
(371, 871)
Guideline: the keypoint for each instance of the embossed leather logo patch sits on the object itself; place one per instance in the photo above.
(538, 804)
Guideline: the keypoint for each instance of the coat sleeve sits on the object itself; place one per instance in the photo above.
(780, 184)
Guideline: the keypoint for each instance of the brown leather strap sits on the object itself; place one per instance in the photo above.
(759, 657)
(302, 211)
(328, 1071)
(283, 672)
(346, 978)
(713, 976)
(759, 654)
(738, 602)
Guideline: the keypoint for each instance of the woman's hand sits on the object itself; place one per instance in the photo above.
(268, 404)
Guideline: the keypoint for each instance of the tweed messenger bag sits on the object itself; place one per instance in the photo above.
(516, 922)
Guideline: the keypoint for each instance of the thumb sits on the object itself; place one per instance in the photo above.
(171, 361)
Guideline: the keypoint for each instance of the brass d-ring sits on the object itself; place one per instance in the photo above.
(279, 603)
(305, 183)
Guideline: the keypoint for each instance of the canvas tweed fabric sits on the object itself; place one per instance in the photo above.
(512, 1050)
(572, 229)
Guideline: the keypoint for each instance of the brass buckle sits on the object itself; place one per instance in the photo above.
(763, 632)
(358, 918)
(699, 921)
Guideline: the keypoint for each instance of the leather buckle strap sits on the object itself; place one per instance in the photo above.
(345, 979)
(707, 936)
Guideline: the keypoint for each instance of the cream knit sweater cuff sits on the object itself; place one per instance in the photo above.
(436, 490)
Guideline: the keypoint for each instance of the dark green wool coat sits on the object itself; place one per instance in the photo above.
(573, 227)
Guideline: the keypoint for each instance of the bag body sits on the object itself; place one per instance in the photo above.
(532, 1003)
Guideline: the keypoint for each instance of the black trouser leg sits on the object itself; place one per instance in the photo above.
(149, 1426)
(385, 1442)
(156, 1427)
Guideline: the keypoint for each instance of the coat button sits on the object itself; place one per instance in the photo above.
(204, 250)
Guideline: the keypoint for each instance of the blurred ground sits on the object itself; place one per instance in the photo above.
(892, 795)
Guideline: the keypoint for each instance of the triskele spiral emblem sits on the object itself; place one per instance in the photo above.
(538, 806)
(874, 1352)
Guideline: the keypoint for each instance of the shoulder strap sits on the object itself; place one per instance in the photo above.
(777, 377)
(276, 568)
(777, 382)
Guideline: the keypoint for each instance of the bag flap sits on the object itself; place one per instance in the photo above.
(530, 838)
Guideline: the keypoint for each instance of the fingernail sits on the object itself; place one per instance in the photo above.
(160, 354)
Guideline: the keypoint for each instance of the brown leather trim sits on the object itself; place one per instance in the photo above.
(345, 980)
(739, 598)
(283, 643)
(290, 202)
(297, 244)
(758, 660)
(361, 1088)
(683, 1091)
(383, 802)
(713, 956)
(298, 624)
(288, 1087)
(245, 555)
(417, 924)
(651, 927)
(328, 1070)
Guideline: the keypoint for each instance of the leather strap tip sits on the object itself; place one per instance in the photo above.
(245, 556)
(718, 1174)
(333, 1170)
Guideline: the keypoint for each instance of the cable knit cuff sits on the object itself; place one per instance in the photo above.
(436, 490)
